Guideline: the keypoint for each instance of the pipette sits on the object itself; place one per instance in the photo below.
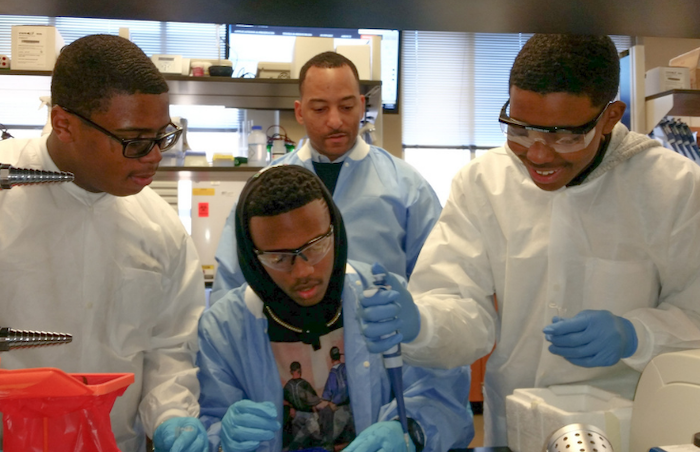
(392, 362)
(11, 176)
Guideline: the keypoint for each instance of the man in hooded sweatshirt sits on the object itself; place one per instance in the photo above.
(573, 248)
(299, 303)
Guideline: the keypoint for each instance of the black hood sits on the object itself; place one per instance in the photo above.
(308, 323)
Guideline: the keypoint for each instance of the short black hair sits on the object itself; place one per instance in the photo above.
(295, 366)
(94, 68)
(327, 60)
(565, 63)
(281, 189)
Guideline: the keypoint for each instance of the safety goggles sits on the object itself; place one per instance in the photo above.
(562, 139)
(312, 252)
(137, 147)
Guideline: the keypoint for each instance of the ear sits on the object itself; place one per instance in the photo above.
(614, 115)
(63, 124)
(362, 103)
(297, 112)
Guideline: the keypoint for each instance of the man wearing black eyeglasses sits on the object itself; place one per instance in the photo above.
(297, 309)
(105, 258)
(573, 248)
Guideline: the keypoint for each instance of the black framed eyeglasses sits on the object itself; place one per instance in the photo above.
(135, 148)
(562, 139)
(312, 252)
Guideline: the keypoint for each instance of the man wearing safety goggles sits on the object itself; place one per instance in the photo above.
(573, 248)
(298, 308)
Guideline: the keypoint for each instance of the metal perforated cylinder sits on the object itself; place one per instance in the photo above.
(579, 438)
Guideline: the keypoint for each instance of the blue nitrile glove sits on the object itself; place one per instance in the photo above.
(388, 312)
(181, 434)
(384, 436)
(246, 424)
(592, 338)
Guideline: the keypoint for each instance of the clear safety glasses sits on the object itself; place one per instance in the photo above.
(312, 252)
(137, 147)
(562, 139)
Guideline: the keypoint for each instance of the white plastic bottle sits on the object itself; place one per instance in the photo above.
(257, 147)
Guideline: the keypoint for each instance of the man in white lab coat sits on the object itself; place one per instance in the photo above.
(573, 248)
(388, 207)
(105, 258)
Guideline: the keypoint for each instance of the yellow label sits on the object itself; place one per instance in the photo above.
(203, 191)
(208, 267)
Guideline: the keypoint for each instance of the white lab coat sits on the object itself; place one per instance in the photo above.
(118, 273)
(626, 240)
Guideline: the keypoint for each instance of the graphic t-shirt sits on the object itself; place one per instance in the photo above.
(317, 409)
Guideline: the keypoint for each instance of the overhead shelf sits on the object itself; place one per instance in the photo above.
(676, 102)
(245, 93)
(254, 93)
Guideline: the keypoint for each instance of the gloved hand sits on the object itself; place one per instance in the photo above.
(181, 434)
(384, 436)
(246, 424)
(387, 312)
(592, 338)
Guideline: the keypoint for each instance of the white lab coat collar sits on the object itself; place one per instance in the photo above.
(357, 152)
(47, 163)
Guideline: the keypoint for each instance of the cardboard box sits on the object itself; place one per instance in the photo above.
(534, 414)
(691, 60)
(35, 47)
(307, 47)
(660, 79)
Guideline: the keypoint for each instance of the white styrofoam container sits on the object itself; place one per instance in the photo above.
(533, 414)
(35, 47)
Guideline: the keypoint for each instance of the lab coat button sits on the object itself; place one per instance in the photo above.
(358, 283)
(366, 363)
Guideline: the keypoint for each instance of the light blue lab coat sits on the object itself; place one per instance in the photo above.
(236, 362)
(387, 206)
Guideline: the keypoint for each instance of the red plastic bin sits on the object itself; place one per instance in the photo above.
(46, 409)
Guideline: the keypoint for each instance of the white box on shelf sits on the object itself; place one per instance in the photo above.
(168, 64)
(660, 79)
(35, 47)
(691, 60)
(307, 47)
(533, 414)
(360, 55)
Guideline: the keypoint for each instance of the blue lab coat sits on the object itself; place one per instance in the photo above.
(236, 362)
(388, 208)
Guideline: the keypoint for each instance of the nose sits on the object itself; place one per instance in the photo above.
(540, 152)
(301, 268)
(155, 156)
(335, 120)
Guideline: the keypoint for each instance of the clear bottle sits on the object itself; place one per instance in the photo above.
(278, 149)
(257, 147)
